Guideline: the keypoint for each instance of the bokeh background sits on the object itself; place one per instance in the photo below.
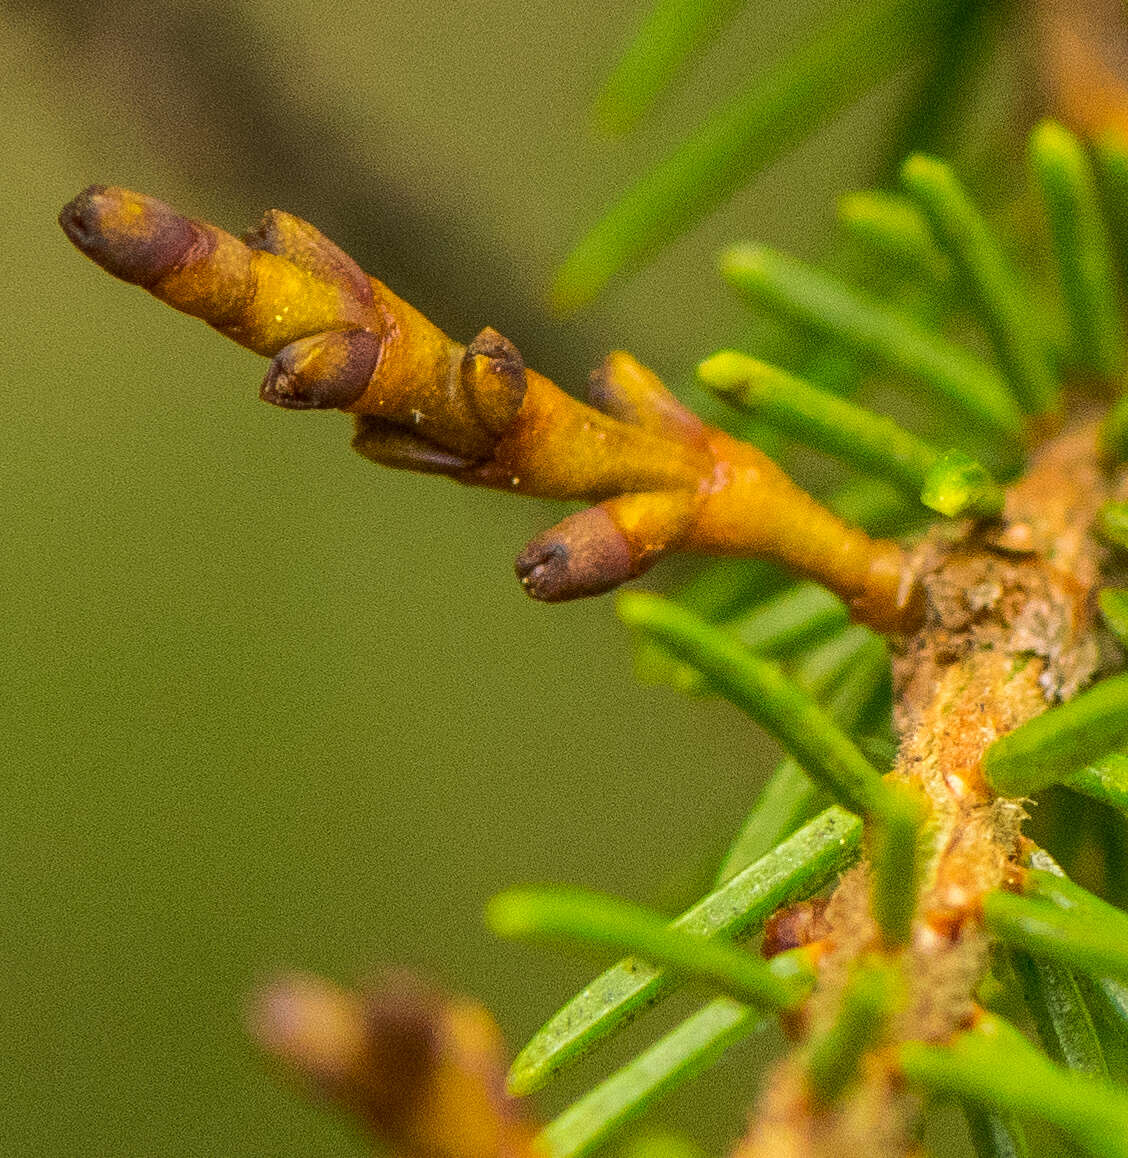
(264, 705)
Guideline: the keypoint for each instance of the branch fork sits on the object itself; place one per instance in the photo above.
(659, 479)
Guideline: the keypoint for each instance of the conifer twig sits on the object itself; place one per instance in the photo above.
(660, 478)
(960, 682)
(991, 624)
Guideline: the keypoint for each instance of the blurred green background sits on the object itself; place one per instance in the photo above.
(265, 705)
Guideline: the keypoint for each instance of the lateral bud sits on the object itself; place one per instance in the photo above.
(596, 549)
(322, 372)
(392, 445)
(493, 375)
(306, 246)
(584, 554)
(627, 390)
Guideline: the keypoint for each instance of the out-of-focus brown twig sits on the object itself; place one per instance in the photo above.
(423, 1072)
(1083, 58)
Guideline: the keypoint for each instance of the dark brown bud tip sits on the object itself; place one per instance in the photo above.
(134, 237)
(493, 373)
(322, 372)
(584, 554)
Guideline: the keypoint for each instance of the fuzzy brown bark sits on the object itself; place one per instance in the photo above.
(1008, 632)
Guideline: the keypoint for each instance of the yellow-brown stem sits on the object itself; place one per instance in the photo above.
(660, 478)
